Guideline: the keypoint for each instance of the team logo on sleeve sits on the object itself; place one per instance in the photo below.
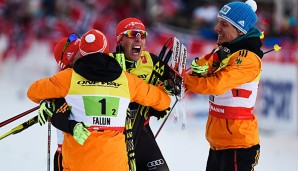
(238, 61)
(63, 108)
(143, 59)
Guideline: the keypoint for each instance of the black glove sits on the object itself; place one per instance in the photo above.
(171, 88)
(159, 114)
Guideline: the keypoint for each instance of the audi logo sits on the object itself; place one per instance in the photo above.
(155, 163)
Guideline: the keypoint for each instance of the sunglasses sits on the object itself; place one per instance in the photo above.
(135, 33)
(71, 38)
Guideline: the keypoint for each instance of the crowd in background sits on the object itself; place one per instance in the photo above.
(22, 21)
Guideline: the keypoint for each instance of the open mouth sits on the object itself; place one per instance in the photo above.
(136, 49)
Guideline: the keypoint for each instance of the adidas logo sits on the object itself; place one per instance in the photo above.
(241, 23)
(69, 54)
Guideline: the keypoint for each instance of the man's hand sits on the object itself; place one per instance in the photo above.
(196, 68)
(159, 114)
(46, 108)
(80, 133)
(171, 88)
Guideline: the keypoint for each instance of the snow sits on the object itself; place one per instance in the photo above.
(184, 150)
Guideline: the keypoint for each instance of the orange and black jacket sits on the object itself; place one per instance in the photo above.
(232, 83)
(97, 68)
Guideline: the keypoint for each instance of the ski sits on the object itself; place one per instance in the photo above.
(181, 109)
(157, 73)
(175, 53)
(182, 68)
(178, 65)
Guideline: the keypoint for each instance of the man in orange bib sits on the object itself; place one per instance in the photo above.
(97, 93)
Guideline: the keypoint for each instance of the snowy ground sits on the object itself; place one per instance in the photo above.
(184, 150)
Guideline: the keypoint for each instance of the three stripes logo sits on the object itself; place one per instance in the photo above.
(63, 108)
(243, 53)
(69, 55)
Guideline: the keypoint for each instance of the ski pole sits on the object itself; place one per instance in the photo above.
(162, 124)
(18, 116)
(275, 48)
(21, 127)
(49, 144)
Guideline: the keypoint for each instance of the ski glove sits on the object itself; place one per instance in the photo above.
(171, 88)
(80, 133)
(46, 108)
(196, 68)
(159, 114)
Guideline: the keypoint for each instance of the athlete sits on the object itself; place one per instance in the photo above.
(98, 93)
(66, 52)
(230, 74)
(131, 39)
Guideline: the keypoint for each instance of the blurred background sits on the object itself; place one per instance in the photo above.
(29, 30)
(26, 21)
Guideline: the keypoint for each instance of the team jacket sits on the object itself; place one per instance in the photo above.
(232, 83)
(98, 92)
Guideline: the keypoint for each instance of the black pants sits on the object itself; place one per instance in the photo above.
(242, 159)
(147, 153)
(58, 161)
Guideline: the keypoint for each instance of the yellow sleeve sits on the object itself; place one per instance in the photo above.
(56, 86)
(147, 94)
(238, 71)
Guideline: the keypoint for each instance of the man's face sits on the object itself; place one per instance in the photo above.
(226, 31)
(133, 47)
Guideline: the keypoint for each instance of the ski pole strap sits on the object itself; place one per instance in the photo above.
(18, 116)
(21, 127)
(121, 60)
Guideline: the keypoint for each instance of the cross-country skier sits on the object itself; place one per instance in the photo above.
(230, 74)
(98, 93)
(66, 52)
(131, 39)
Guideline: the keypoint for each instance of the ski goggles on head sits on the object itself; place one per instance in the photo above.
(135, 33)
(71, 38)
